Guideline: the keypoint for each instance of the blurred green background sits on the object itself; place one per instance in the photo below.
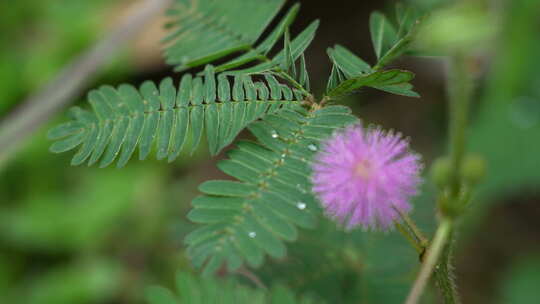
(88, 235)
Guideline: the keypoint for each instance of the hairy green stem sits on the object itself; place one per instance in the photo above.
(432, 257)
(444, 274)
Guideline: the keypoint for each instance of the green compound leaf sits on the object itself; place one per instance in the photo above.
(125, 118)
(250, 218)
(205, 30)
(350, 73)
(227, 24)
(206, 290)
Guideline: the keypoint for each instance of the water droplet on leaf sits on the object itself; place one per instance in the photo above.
(252, 234)
(312, 147)
(301, 205)
(274, 134)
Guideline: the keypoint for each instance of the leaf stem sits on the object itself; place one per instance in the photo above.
(433, 253)
(292, 81)
(417, 233)
(409, 237)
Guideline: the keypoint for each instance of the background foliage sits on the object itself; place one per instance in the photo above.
(83, 235)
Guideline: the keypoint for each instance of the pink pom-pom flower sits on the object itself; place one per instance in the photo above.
(363, 177)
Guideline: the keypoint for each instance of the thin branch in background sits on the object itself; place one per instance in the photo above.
(60, 91)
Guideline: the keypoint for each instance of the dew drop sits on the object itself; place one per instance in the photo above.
(301, 205)
(312, 147)
(283, 155)
(252, 234)
(274, 134)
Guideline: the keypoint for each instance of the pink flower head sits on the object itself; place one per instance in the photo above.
(364, 176)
